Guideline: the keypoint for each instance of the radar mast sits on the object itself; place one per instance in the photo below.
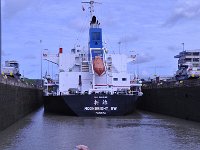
(91, 8)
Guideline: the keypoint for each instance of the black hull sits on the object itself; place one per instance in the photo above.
(91, 105)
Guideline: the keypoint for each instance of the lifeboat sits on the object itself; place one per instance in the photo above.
(98, 65)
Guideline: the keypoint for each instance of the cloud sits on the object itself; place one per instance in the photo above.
(30, 43)
(126, 39)
(173, 48)
(161, 66)
(12, 7)
(35, 65)
(144, 58)
(3, 53)
(185, 10)
(30, 57)
(144, 73)
(78, 25)
(29, 72)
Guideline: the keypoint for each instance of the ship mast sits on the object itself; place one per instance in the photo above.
(91, 8)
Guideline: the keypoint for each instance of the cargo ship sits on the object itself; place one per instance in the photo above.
(92, 82)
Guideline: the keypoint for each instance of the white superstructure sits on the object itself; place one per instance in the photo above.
(76, 73)
(11, 68)
(188, 64)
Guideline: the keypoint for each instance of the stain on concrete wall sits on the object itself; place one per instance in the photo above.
(16, 102)
(181, 102)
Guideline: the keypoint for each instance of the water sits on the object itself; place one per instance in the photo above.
(138, 131)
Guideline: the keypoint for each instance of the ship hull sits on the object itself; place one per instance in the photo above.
(91, 105)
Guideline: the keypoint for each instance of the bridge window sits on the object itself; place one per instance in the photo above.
(196, 53)
(188, 59)
(188, 53)
(124, 79)
(115, 79)
(14, 65)
(195, 65)
(196, 59)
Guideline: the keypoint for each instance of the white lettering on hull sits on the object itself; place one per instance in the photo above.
(100, 108)
(89, 108)
(113, 108)
(100, 105)
(101, 113)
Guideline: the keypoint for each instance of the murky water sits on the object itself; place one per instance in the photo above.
(138, 131)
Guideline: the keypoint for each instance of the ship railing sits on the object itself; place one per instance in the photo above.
(135, 84)
(101, 91)
(172, 84)
(110, 91)
(128, 92)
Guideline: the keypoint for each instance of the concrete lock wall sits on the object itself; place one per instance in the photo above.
(16, 102)
(181, 102)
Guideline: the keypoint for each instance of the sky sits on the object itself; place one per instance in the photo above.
(151, 29)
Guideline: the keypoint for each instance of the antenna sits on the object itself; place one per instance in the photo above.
(183, 46)
(91, 6)
(119, 45)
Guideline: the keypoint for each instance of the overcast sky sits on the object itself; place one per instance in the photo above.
(153, 29)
